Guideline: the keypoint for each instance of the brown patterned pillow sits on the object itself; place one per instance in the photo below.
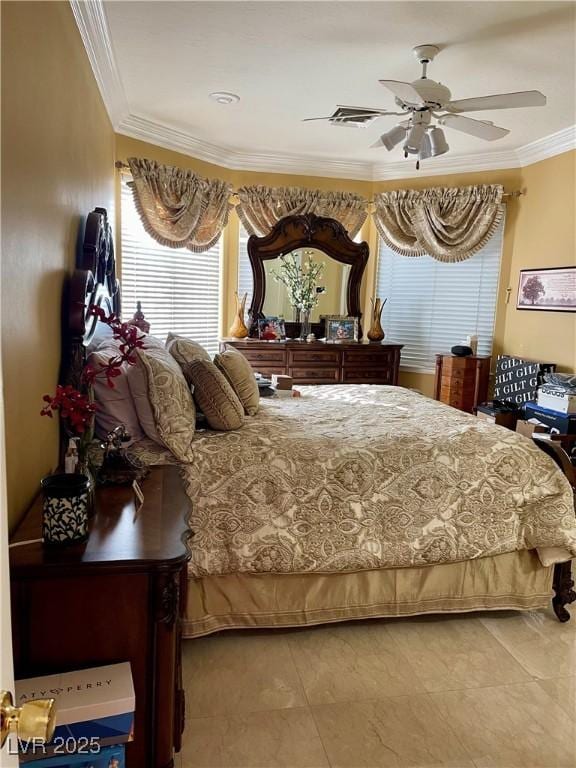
(239, 373)
(185, 350)
(171, 403)
(214, 396)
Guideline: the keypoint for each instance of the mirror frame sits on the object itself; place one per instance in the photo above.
(306, 231)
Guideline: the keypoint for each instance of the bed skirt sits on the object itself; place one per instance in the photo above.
(515, 580)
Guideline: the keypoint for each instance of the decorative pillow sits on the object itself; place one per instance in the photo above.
(239, 373)
(163, 401)
(185, 350)
(115, 405)
(214, 395)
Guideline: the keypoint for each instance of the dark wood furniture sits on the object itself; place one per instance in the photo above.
(321, 363)
(306, 231)
(462, 381)
(118, 597)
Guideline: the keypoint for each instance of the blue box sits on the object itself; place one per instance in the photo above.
(565, 423)
(108, 757)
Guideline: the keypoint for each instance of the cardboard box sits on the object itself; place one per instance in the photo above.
(96, 703)
(281, 382)
(527, 428)
(556, 399)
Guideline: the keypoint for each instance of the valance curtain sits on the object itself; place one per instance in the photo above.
(260, 207)
(449, 224)
(178, 208)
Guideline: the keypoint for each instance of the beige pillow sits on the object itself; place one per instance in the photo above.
(163, 401)
(185, 350)
(239, 373)
(214, 396)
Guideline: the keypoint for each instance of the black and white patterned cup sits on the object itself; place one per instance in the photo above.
(65, 510)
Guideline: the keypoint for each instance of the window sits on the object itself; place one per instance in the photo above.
(432, 306)
(179, 290)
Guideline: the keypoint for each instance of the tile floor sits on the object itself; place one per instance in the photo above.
(491, 690)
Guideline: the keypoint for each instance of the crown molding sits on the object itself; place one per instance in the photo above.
(541, 149)
(227, 157)
(92, 23)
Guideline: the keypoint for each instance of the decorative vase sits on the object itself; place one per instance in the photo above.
(305, 326)
(238, 329)
(376, 332)
(65, 509)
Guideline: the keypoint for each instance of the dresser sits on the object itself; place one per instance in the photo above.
(462, 381)
(319, 362)
(118, 597)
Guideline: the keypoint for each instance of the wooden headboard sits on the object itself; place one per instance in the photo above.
(93, 282)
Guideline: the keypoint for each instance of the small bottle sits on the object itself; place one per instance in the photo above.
(71, 457)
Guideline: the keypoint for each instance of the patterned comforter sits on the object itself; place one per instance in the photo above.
(360, 477)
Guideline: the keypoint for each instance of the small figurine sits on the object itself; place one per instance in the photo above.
(311, 337)
(118, 467)
(139, 320)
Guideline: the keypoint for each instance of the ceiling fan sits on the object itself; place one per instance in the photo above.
(424, 99)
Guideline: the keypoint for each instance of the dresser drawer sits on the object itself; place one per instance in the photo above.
(314, 375)
(264, 355)
(366, 356)
(268, 370)
(309, 357)
(367, 375)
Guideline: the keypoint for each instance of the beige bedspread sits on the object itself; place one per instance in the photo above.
(361, 477)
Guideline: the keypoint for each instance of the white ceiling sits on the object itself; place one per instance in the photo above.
(291, 60)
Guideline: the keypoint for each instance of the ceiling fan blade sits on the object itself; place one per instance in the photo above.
(352, 116)
(404, 91)
(499, 101)
(473, 127)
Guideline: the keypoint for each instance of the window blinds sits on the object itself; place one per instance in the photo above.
(432, 306)
(179, 290)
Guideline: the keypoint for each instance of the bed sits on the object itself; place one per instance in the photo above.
(359, 501)
(356, 501)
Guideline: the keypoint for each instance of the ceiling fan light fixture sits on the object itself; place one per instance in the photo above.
(415, 138)
(438, 143)
(393, 137)
(425, 148)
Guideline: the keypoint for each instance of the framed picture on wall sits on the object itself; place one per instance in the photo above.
(553, 289)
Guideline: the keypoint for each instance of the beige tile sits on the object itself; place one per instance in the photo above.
(351, 662)
(511, 726)
(395, 732)
(563, 691)
(284, 738)
(537, 640)
(236, 673)
(454, 654)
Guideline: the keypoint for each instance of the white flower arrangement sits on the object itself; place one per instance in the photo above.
(299, 274)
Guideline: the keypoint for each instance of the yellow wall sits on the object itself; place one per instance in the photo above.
(57, 165)
(545, 236)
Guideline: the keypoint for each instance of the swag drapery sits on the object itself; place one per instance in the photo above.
(260, 207)
(178, 208)
(448, 223)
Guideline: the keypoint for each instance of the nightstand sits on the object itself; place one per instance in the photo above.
(118, 597)
(462, 382)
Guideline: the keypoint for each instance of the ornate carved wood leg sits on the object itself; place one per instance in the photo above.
(563, 584)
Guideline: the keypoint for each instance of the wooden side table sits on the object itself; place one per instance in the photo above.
(120, 596)
(462, 382)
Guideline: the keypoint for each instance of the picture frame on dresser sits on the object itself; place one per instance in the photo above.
(339, 328)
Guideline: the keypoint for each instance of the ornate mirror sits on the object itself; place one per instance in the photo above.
(318, 240)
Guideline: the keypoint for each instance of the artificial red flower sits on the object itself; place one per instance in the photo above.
(75, 407)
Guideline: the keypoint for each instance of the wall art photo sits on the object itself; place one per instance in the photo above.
(547, 289)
